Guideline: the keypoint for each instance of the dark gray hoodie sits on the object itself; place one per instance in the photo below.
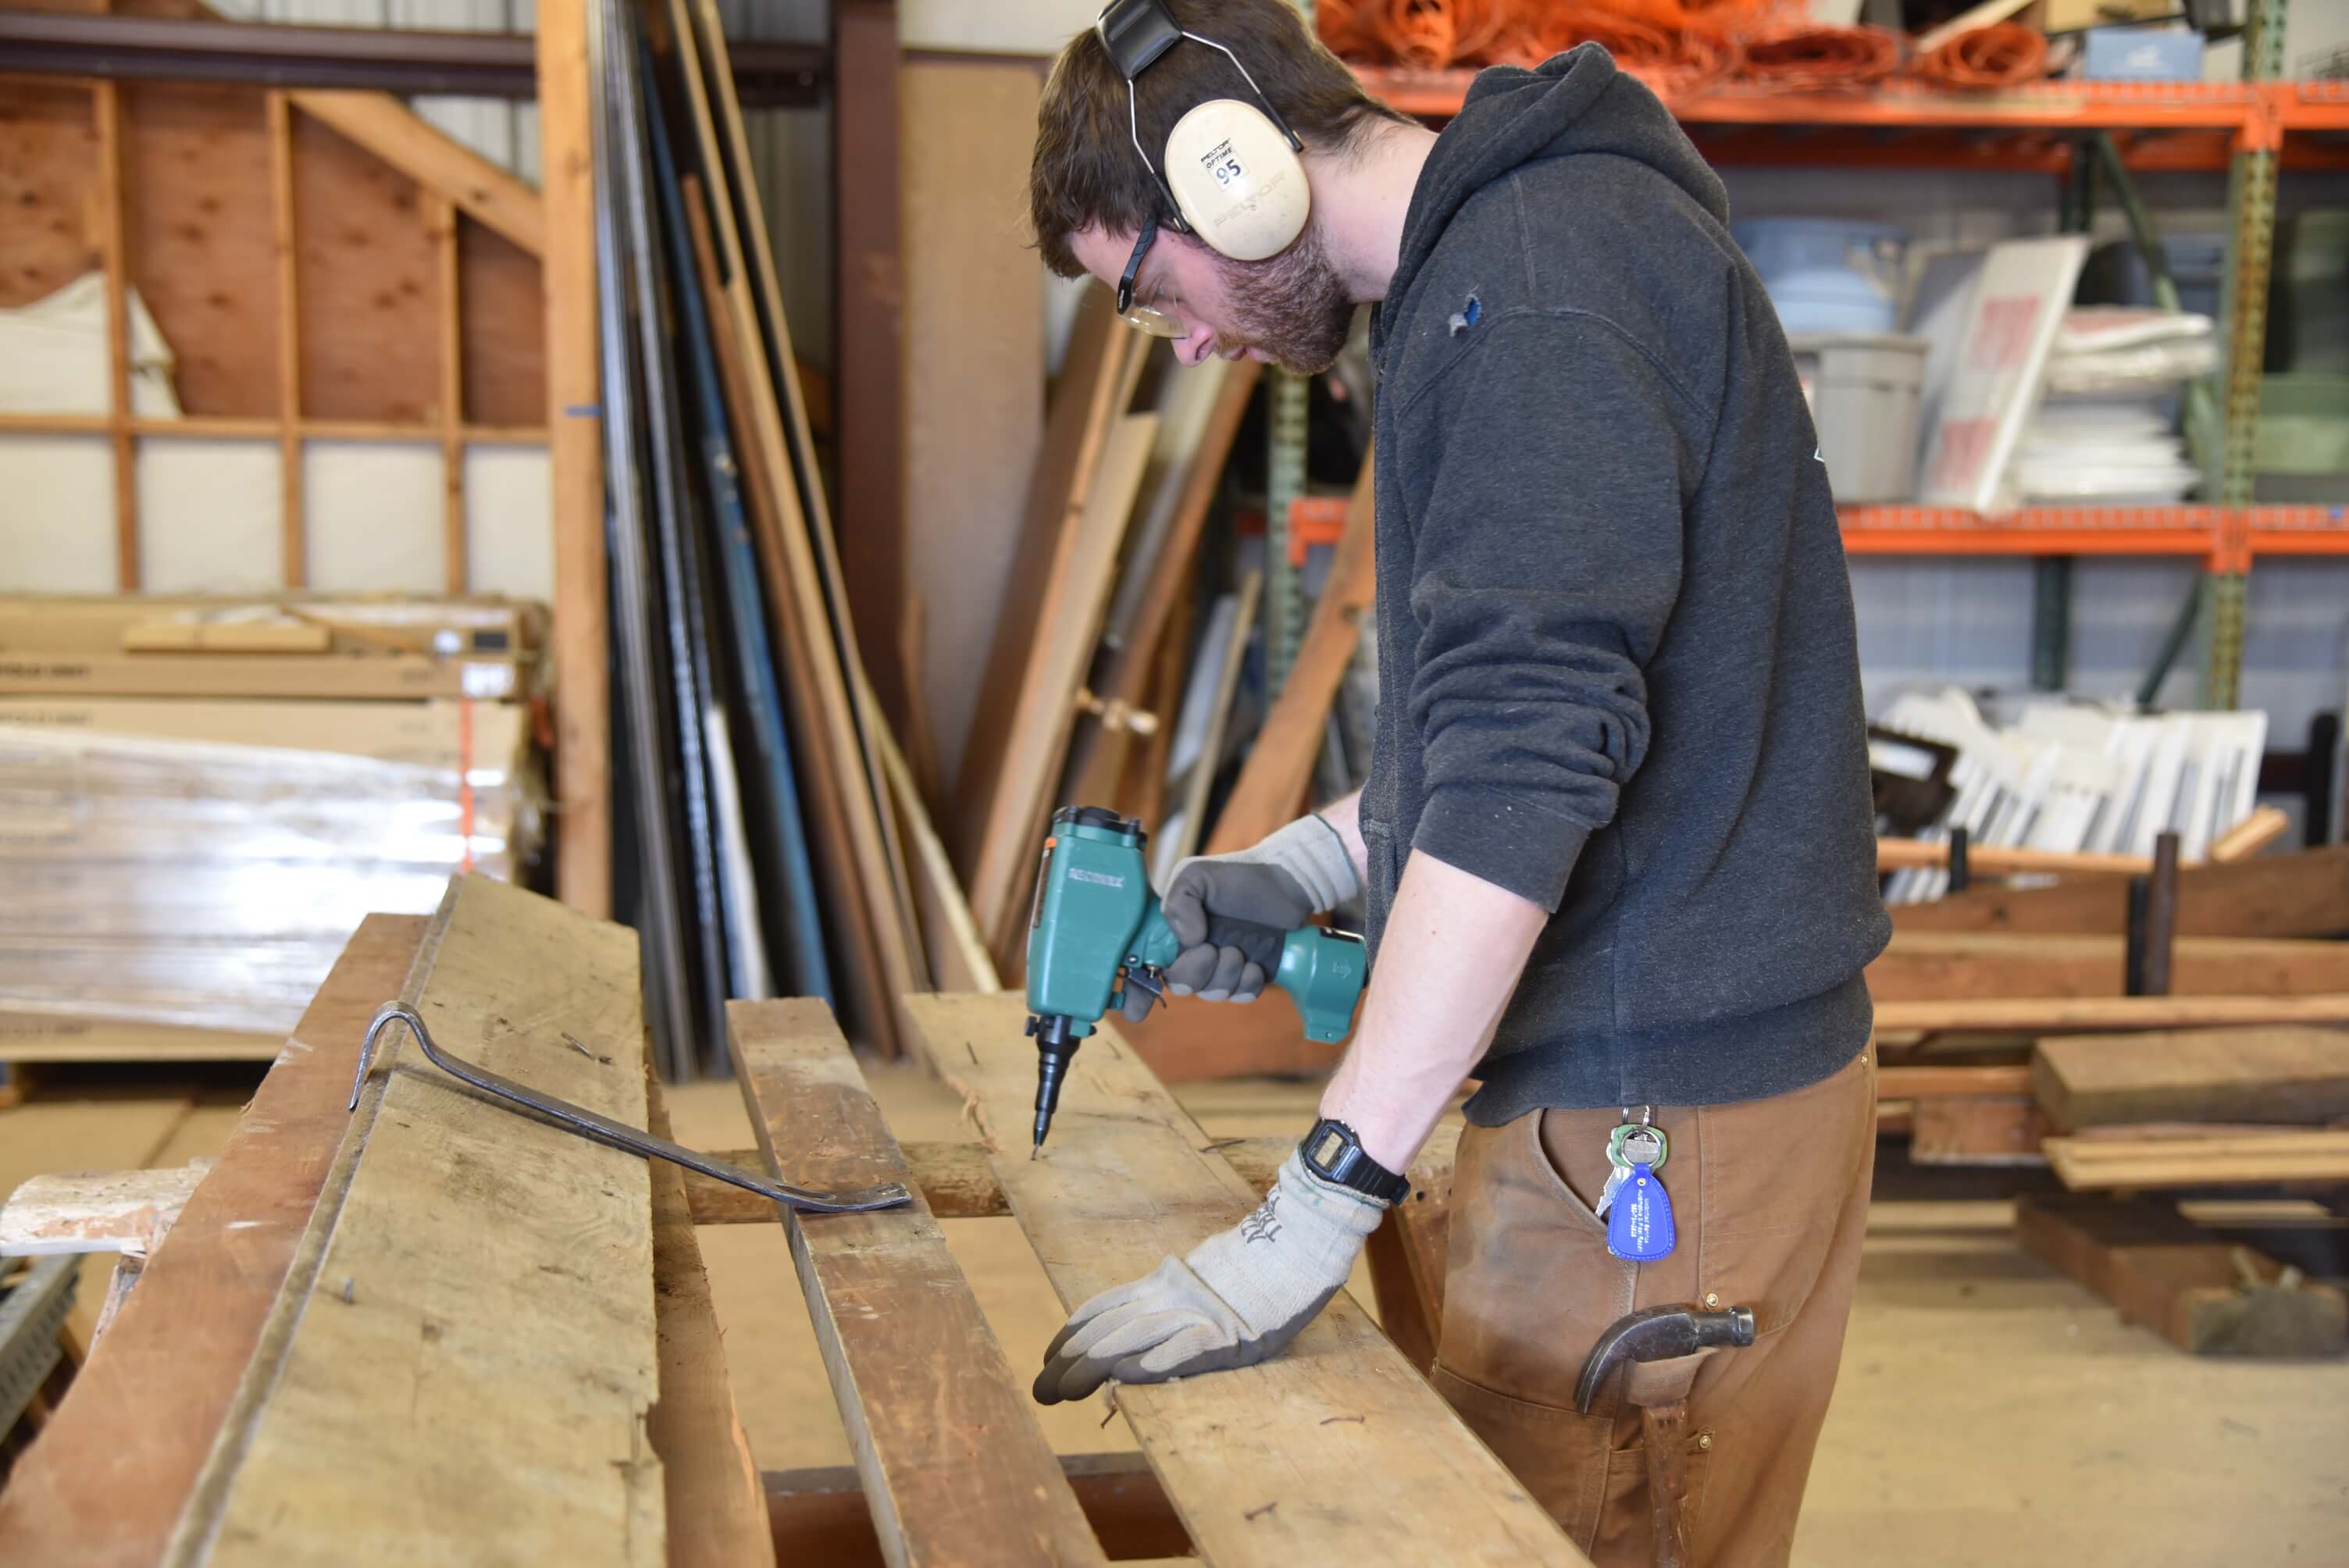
(1618, 664)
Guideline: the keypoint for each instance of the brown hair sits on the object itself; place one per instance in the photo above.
(1086, 171)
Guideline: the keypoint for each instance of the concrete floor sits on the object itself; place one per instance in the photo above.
(1988, 1412)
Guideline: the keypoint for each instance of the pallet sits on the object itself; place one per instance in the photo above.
(217, 1360)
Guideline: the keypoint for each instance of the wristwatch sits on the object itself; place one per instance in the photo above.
(1334, 1154)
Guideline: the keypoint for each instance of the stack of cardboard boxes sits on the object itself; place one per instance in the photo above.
(201, 799)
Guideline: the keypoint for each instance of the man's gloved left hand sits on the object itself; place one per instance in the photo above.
(1237, 1299)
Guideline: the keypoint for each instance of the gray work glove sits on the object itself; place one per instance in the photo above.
(1230, 912)
(1238, 1298)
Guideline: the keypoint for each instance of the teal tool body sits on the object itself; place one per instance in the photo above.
(1096, 928)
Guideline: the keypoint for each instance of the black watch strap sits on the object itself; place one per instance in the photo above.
(1334, 1154)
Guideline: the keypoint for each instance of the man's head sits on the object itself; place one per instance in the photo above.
(1091, 196)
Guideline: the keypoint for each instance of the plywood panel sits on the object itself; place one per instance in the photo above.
(503, 329)
(368, 351)
(973, 324)
(197, 205)
(48, 174)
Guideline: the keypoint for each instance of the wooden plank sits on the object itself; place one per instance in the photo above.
(955, 1468)
(2275, 1075)
(1062, 646)
(802, 532)
(2162, 1271)
(959, 960)
(1992, 860)
(1279, 765)
(575, 450)
(1931, 965)
(1976, 1129)
(1125, 684)
(48, 181)
(2255, 832)
(712, 1486)
(1204, 765)
(826, 790)
(2304, 894)
(291, 518)
(995, 845)
(973, 323)
(868, 339)
(439, 163)
(2243, 1159)
(389, 1411)
(440, 222)
(1267, 1463)
(502, 337)
(1937, 1083)
(115, 257)
(2093, 1015)
(169, 1366)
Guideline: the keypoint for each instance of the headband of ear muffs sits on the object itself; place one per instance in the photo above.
(1232, 175)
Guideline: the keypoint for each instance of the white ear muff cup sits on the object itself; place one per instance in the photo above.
(1237, 180)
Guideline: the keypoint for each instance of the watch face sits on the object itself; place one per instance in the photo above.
(1326, 1148)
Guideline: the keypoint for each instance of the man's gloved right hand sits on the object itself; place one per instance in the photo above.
(1282, 882)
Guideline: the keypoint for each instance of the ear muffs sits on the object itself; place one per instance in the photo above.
(1235, 180)
(1231, 169)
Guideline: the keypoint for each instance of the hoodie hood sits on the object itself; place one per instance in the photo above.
(1577, 102)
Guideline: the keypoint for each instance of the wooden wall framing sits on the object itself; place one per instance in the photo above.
(325, 266)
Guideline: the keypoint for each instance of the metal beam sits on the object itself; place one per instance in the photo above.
(473, 65)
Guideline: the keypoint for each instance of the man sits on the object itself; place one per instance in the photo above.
(1616, 842)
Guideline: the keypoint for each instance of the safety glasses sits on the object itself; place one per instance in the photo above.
(1141, 318)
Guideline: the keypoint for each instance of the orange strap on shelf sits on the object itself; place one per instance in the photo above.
(1820, 59)
(2000, 56)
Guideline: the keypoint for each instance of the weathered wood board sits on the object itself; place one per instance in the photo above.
(2304, 894)
(2279, 1074)
(1336, 1450)
(111, 1474)
(955, 1468)
(1922, 966)
(462, 1360)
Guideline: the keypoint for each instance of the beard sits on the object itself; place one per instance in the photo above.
(1292, 308)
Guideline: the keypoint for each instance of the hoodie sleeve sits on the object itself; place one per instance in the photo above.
(1546, 561)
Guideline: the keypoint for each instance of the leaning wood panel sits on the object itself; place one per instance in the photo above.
(2272, 1075)
(2304, 895)
(169, 1366)
(1926, 965)
(462, 1360)
(1336, 1450)
(994, 845)
(955, 1468)
(1279, 765)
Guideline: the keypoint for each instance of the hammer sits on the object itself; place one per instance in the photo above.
(1662, 1334)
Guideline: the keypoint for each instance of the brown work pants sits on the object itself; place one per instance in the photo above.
(1770, 1198)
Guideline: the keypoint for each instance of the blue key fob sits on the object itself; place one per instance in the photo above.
(1640, 1224)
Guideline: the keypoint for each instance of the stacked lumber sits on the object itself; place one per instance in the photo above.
(200, 799)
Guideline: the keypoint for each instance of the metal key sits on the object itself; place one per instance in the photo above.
(1633, 1143)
